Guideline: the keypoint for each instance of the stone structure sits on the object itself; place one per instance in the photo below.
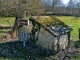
(49, 32)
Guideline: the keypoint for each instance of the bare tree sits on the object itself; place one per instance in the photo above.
(21, 7)
(34, 7)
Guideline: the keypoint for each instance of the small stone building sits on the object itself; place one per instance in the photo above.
(49, 32)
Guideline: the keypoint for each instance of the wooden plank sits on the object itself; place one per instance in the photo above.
(5, 27)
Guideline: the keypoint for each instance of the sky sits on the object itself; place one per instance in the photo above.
(65, 1)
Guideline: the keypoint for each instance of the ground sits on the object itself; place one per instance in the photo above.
(16, 51)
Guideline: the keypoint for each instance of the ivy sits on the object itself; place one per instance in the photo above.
(36, 28)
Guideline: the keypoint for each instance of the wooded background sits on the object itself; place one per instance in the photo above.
(38, 7)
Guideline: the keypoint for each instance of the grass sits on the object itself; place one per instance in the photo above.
(69, 20)
(77, 58)
(3, 31)
(7, 21)
(4, 20)
(73, 23)
(2, 34)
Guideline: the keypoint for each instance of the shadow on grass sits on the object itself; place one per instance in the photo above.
(16, 51)
(77, 44)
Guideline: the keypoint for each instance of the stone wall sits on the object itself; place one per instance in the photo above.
(46, 39)
(63, 41)
(28, 28)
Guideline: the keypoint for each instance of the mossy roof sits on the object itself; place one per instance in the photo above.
(53, 25)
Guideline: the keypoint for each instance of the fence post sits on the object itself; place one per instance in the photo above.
(79, 33)
(23, 36)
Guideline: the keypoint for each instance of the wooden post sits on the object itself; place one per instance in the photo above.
(79, 33)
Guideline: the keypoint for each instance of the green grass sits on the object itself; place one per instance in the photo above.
(3, 31)
(3, 20)
(6, 21)
(69, 20)
(73, 23)
(77, 58)
(2, 34)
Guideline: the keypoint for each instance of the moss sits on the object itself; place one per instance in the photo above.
(49, 20)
